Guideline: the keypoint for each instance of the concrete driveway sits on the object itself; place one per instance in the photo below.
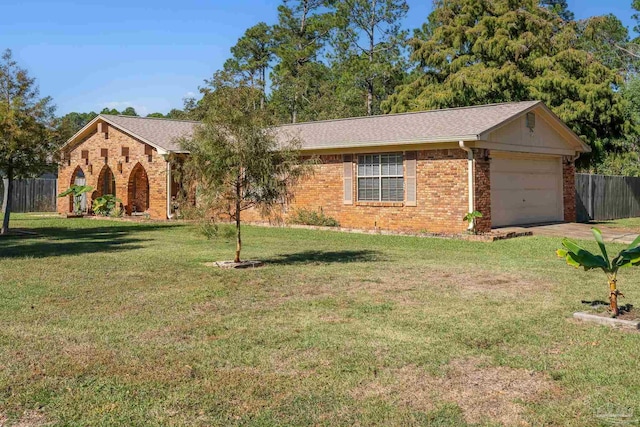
(576, 231)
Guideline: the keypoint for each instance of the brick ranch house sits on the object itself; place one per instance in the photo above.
(514, 162)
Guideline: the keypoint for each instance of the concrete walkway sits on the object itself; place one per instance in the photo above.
(576, 231)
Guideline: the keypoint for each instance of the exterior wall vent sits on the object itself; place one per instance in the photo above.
(103, 128)
(531, 121)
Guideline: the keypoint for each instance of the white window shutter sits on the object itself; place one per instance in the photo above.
(347, 179)
(411, 178)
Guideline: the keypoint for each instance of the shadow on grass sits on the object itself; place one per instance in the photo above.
(60, 241)
(322, 257)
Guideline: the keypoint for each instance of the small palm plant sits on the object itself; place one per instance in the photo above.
(471, 217)
(76, 191)
(577, 257)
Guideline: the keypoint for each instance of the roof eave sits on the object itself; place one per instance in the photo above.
(395, 143)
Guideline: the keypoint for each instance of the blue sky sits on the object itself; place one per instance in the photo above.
(148, 54)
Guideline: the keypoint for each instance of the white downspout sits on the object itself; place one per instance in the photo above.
(169, 214)
(471, 180)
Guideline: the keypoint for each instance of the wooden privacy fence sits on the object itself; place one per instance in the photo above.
(603, 197)
(32, 195)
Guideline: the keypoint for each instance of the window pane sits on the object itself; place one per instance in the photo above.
(391, 164)
(393, 189)
(368, 189)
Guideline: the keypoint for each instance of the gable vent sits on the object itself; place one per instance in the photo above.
(531, 121)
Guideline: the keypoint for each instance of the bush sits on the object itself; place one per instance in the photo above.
(106, 205)
(311, 217)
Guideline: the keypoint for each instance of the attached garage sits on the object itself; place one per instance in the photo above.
(525, 189)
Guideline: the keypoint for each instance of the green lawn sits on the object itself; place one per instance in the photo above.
(631, 224)
(117, 323)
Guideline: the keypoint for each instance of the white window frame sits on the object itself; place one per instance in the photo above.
(379, 176)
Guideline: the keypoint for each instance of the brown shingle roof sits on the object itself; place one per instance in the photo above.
(164, 133)
(447, 125)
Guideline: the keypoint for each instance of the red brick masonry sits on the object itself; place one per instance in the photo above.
(152, 165)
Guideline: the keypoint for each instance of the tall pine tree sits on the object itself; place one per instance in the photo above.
(369, 47)
(251, 57)
(300, 36)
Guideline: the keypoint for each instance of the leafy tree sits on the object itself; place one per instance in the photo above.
(299, 38)
(156, 115)
(69, 124)
(483, 51)
(111, 111)
(129, 111)
(559, 7)
(235, 158)
(607, 39)
(27, 145)
(251, 56)
(369, 46)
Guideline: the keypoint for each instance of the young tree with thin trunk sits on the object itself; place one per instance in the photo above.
(235, 159)
(27, 144)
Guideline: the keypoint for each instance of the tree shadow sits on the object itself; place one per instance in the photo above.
(323, 257)
(595, 303)
(61, 241)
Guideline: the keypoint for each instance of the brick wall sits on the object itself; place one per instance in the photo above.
(442, 196)
(154, 167)
(569, 190)
(482, 176)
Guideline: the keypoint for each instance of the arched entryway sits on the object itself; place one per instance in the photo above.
(78, 178)
(106, 183)
(138, 190)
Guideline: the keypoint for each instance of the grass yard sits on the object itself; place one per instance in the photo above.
(632, 224)
(117, 323)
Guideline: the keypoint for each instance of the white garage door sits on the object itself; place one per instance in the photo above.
(525, 190)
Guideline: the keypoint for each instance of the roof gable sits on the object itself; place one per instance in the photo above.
(162, 134)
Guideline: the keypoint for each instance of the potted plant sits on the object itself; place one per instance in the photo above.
(577, 257)
(76, 191)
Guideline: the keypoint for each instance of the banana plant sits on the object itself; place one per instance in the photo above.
(471, 217)
(76, 191)
(576, 256)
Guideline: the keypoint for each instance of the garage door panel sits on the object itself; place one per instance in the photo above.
(532, 182)
(525, 191)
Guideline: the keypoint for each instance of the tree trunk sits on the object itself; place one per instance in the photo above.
(238, 237)
(372, 46)
(8, 191)
(5, 193)
(613, 297)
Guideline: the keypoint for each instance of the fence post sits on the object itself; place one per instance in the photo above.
(590, 208)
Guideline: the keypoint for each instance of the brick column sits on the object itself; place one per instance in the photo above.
(569, 189)
(482, 178)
